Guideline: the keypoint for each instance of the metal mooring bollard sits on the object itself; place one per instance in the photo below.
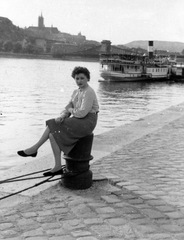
(77, 162)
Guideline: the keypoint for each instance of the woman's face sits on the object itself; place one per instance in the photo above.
(81, 80)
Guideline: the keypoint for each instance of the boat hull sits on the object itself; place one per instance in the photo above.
(133, 77)
(129, 69)
(178, 73)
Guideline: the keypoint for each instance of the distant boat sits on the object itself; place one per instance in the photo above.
(124, 68)
(178, 69)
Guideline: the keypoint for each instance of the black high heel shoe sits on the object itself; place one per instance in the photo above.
(53, 173)
(23, 154)
(59, 172)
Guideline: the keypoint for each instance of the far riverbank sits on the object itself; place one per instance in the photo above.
(46, 56)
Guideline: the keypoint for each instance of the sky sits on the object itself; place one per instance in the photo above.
(120, 21)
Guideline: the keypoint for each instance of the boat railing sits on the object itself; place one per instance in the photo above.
(119, 61)
(179, 65)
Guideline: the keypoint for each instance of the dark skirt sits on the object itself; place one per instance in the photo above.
(68, 132)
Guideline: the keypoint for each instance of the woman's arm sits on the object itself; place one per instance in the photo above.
(65, 113)
(85, 107)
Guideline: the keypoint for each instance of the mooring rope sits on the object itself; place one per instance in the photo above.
(13, 178)
(22, 179)
(37, 184)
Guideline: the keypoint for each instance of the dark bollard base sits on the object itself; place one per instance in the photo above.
(81, 181)
(77, 166)
(77, 161)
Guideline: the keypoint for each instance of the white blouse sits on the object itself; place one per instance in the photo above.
(83, 101)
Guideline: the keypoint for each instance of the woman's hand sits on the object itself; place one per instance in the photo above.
(60, 119)
(70, 110)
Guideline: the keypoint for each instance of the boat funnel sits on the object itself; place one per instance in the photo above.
(106, 46)
(150, 49)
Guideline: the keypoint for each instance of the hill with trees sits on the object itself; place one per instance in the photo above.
(8, 31)
(38, 40)
(12, 37)
(158, 45)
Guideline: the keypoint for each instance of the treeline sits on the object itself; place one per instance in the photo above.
(17, 47)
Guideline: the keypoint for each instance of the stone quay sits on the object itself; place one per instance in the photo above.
(137, 191)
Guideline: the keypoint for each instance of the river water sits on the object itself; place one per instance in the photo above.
(33, 90)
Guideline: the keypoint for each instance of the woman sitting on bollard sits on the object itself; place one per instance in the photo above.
(76, 121)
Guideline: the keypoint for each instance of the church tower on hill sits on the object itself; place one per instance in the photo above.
(41, 30)
(41, 21)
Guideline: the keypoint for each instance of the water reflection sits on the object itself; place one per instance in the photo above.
(121, 87)
(122, 102)
(125, 102)
(123, 92)
(132, 90)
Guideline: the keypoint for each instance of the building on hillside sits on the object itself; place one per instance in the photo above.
(64, 42)
(61, 49)
(41, 27)
(78, 39)
(41, 43)
(41, 21)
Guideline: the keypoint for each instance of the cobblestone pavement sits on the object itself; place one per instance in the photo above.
(142, 197)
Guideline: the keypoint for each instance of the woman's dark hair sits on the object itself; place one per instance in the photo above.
(78, 70)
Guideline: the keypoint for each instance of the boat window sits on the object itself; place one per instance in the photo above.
(117, 67)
